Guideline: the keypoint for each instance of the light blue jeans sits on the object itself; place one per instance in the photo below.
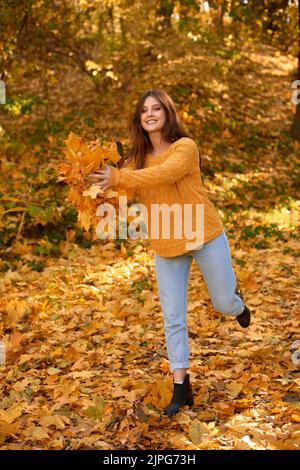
(172, 273)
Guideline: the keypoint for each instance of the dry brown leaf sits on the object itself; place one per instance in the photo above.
(11, 414)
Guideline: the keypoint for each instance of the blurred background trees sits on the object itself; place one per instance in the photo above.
(229, 65)
(38, 35)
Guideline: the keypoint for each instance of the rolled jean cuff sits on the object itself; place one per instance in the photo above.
(241, 310)
(179, 365)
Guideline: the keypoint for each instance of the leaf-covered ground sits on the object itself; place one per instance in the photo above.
(87, 365)
(86, 360)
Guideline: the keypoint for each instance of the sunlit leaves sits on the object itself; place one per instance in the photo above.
(83, 158)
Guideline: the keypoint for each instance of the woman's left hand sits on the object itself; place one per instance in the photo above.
(104, 176)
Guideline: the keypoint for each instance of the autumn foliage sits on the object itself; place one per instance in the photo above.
(86, 364)
(82, 159)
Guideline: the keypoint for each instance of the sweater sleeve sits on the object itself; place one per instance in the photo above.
(132, 193)
(128, 166)
(178, 164)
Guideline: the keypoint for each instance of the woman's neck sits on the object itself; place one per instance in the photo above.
(158, 144)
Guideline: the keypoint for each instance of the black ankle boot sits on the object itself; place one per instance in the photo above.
(243, 318)
(182, 395)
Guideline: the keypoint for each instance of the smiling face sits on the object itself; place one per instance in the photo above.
(153, 115)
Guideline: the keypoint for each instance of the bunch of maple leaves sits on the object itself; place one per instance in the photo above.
(84, 158)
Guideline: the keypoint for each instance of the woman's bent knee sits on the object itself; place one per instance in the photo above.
(226, 306)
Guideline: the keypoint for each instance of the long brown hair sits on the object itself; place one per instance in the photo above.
(140, 142)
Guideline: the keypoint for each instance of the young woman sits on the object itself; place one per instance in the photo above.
(163, 167)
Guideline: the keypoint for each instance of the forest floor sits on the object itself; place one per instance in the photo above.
(86, 362)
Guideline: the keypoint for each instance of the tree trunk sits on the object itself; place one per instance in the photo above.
(164, 11)
(218, 16)
(101, 25)
(276, 13)
(183, 15)
(111, 15)
(295, 129)
(123, 32)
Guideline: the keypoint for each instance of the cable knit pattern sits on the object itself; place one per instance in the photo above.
(173, 177)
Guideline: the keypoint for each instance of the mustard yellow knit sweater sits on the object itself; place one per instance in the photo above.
(173, 177)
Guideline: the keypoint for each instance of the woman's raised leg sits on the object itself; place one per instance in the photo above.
(214, 261)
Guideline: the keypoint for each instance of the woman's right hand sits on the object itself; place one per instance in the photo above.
(93, 178)
(102, 177)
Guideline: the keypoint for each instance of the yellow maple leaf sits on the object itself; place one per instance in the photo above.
(234, 388)
(84, 219)
(196, 431)
(296, 417)
(160, 394)
(37, 433)
(7, 430)
(91, 160)
(74, 196)
(11, 414)
(15, 310)
(82, 159)
(73, 142)
(111, 153)
(93, 191)
(59, 422)
(110, 193)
